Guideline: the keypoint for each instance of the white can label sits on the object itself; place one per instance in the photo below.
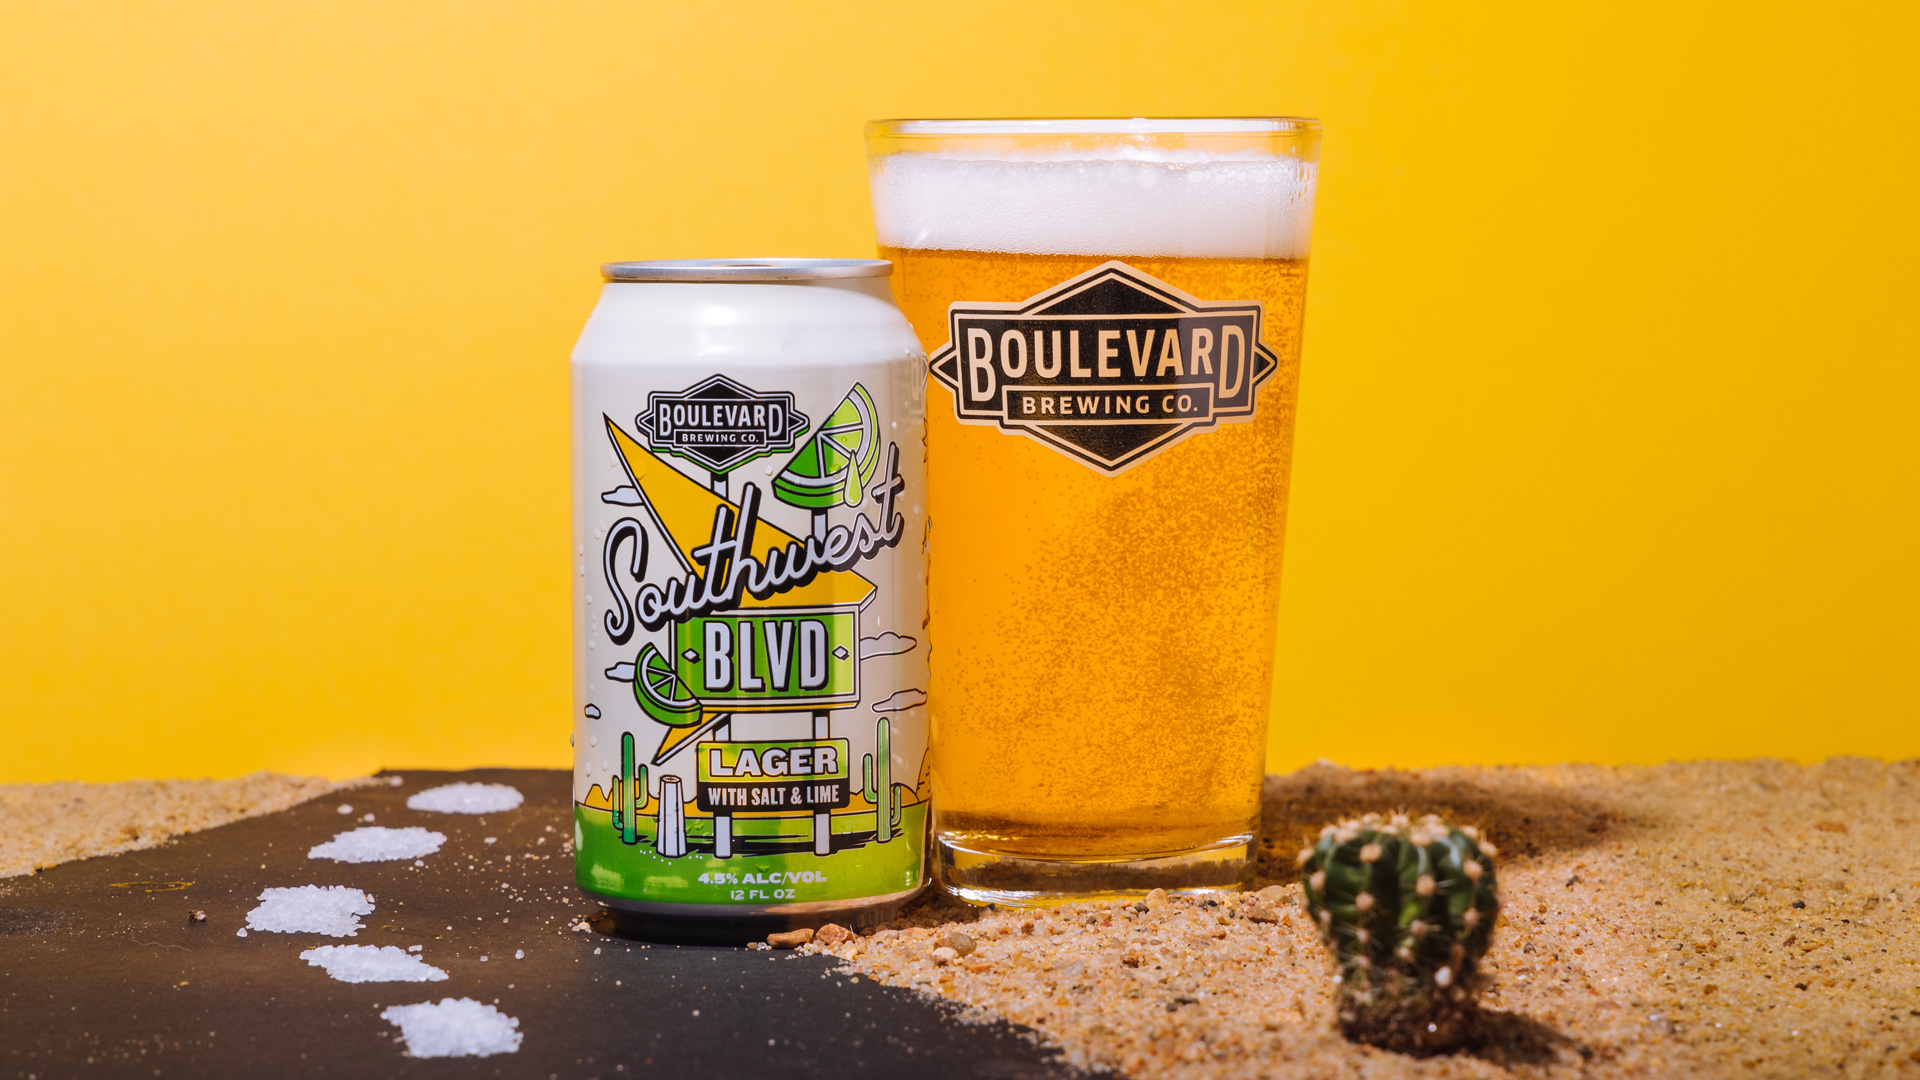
(751, 666)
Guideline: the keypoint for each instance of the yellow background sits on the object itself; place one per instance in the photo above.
(1610, 416)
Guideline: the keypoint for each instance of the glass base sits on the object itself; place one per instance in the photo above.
(987, 877)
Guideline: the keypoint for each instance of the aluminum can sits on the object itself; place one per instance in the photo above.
(750, 654)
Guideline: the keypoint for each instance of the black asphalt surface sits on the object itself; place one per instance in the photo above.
(102, 973)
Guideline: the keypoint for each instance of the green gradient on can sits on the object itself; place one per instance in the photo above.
(605, 864)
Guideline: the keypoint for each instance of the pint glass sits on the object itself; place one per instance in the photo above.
(1112, 311)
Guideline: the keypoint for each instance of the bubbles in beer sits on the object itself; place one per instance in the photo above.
(1124, 202)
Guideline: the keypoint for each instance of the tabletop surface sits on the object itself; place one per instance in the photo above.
(103, 972)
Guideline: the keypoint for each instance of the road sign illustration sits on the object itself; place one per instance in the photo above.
(794, 650)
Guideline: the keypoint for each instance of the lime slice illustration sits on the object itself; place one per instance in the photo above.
(661, 693)
(837, 463)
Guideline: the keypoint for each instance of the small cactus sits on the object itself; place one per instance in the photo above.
(1407, 908)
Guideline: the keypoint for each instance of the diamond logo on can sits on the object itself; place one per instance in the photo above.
(1109, 368)
(719, 423)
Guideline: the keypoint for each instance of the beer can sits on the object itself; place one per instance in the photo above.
(750, 648)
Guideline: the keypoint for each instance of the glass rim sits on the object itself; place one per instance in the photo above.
(1137, 125)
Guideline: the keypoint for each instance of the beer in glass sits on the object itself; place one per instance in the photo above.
(1113, 314)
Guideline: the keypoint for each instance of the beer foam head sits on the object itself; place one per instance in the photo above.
(1118, 202)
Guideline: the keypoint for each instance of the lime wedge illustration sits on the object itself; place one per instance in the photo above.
(661, 693)
(839, 460)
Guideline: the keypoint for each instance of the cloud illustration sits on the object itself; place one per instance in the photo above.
(902, 701)
(593, 711)
(624, 495)
(887, 644)
(621, 672)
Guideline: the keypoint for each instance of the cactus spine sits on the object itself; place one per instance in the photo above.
(1407, 909)
(886, 815)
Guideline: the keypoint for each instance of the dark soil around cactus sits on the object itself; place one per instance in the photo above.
(1456, 1027)
(1439, 1028)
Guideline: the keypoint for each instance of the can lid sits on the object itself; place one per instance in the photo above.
(745, 270)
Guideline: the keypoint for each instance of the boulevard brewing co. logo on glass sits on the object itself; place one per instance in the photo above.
(1109, 368)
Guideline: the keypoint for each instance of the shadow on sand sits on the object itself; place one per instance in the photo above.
(1522, 814)
(1509, 1039)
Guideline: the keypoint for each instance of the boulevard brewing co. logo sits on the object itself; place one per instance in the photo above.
(720, 423)
(1111, 367)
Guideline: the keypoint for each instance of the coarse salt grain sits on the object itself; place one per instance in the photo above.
(371, 963)
(378, 844)
(466, 799)
(455, 1027)
(332, 910)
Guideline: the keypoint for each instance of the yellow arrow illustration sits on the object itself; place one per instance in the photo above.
(683, 509)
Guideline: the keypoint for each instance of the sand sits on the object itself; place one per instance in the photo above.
(43, 825)
(1693, 920)
(1706, 919)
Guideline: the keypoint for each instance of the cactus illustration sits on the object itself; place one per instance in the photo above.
(629, 792)
(1407, 909)
(886, 815)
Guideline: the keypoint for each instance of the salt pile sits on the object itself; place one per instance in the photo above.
(369, 963)
(332, 910)
(456, 1027)
(378, 844)
(466, 799)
